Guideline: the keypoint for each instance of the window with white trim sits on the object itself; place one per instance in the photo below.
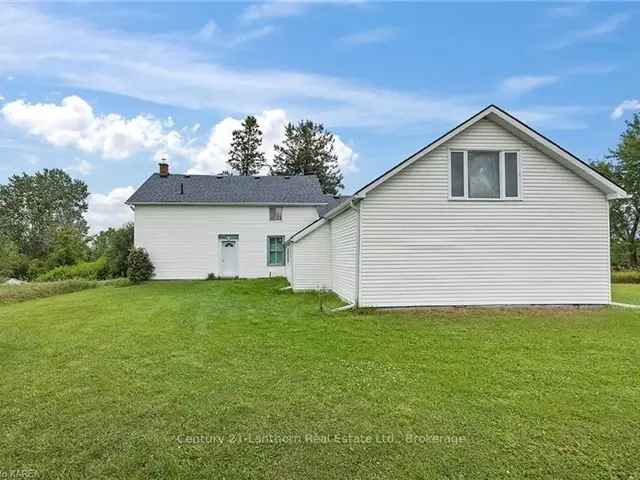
(484, 175)
(275, 251)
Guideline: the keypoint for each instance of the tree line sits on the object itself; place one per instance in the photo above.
(307, 149)
(622, 166)
(42, 228)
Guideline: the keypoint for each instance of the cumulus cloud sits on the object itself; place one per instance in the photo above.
(212, 158)
(518, 85)
(109, 210)
(73, 123)
(631, 105)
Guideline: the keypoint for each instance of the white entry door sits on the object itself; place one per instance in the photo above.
(229, 258)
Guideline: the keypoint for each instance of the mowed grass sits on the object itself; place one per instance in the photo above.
(626, 293)
(236, 379)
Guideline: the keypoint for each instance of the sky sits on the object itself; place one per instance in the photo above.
(106, 90)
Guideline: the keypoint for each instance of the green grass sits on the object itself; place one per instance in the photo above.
(626, 293)
(120, 383)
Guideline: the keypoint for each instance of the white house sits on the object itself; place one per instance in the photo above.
(492, 212)
(230, 226)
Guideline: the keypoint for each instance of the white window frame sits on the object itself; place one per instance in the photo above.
(284, 251)
(501, 153)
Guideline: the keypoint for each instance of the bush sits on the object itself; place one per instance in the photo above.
(626, 276)
(139, 266)
(37, 267)
(96, 270)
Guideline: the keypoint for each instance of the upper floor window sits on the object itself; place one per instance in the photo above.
(484, 175)
(275, 214)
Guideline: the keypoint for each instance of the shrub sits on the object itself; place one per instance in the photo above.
(139, 266)
(37, 267)
(626, 276)
(96, 270)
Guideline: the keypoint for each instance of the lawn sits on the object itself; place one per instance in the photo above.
(626, 293)
(236, 379)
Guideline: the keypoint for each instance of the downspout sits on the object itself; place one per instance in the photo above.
(356, 300)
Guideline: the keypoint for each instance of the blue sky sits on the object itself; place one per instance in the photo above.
(105, 90)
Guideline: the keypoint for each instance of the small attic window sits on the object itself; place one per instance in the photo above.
(275, 214)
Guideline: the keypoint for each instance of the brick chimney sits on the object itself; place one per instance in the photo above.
(164, 169)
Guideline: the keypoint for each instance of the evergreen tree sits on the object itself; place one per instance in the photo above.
(308, 149)
(623, 168)
(245, 156)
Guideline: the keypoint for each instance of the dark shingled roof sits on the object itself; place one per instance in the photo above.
(229, 189)
(332, 202)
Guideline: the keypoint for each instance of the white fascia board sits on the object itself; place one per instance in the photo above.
(504, 119)
(233, 204)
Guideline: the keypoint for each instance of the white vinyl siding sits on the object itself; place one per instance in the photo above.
(182, 240)
(343, 249)
(420, 248)
(311, 262)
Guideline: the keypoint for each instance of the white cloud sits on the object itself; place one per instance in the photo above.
(376, 35)
(73, 123)
(273, 9)
(169, 72)
(109, 210)
(631, 105)
(1, 98)
(347, 158)
(609, 25)
(213, 157)
(522, 84)
(81, 167)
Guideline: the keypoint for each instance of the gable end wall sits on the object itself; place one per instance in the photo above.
(420, 248)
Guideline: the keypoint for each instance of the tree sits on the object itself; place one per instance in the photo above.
(245, 156)
(34, 207)
(623, 167)
(308, 149)
(69, 247)
(114, 244)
